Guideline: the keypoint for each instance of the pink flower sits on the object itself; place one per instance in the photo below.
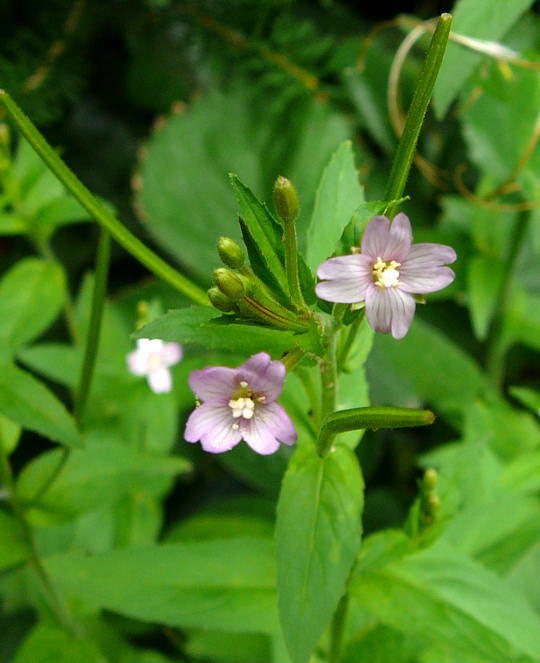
(240, 403)
(386, 273)
(153, 358)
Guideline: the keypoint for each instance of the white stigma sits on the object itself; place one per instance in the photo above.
(154, 361)
(389, 278)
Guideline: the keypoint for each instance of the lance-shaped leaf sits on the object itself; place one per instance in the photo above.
(203, 326)
(28, 402)
(318, 535)
(31, 295)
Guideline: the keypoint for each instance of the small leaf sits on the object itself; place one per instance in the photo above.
(339, 194)
(28, 402)
(318, 535)
(31, 296)
(12, 545)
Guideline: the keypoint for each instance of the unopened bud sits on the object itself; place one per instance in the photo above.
(286, 199)
(229, 283)
(230, 252)
(433, 504)
(430, 479)
(220, 301)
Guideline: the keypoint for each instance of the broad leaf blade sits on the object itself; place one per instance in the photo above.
(318, 535)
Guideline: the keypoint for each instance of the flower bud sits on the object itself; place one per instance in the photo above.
(230, 252)
(286, 199)
(229, 283)
(220, 301)
(430, 479)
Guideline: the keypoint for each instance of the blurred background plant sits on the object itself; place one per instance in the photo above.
(152, 103)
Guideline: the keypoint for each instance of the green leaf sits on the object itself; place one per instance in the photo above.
(11, 224)
(31, 296)
(262, 236)
(481, 20)
(464, 605)
(484, 278)
(214, 585)
(201, 325)
(424, 353)
(12, 545)
(47, 644)
(530, 398)
(10, 433)
(228, 647)
(106, 469)
(28, 402)
(318, 535)
(339, 194)
(498, 126)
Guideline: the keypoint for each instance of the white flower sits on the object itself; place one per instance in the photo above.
(153, 358)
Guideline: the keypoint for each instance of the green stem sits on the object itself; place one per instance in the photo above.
(337, 630)
(369, 417)
(497, 344)
(52, 598)
(94, 326)
(329, 377)
(98, 211)
(415, 116)
(292, 358)
(347, 345)
(291, 263)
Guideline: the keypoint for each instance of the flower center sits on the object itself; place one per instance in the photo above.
(243, 403)
(154, 361)
(385, 274)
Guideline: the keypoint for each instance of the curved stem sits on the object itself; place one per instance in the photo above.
(94, 326)
(97, 210)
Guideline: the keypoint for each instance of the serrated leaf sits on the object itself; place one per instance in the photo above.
(339, 194)
(482, 20)
(31, 296)
(28, 402)
(201, 325)
(262, 236)
(318, 535)
(214, 585)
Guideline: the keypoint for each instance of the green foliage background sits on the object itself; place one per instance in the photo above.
(158, 552)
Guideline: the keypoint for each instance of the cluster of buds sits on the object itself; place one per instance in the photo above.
(238, 290)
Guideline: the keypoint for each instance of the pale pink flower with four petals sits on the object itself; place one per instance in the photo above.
(152, 358)
(386, 274)
(240, 403)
